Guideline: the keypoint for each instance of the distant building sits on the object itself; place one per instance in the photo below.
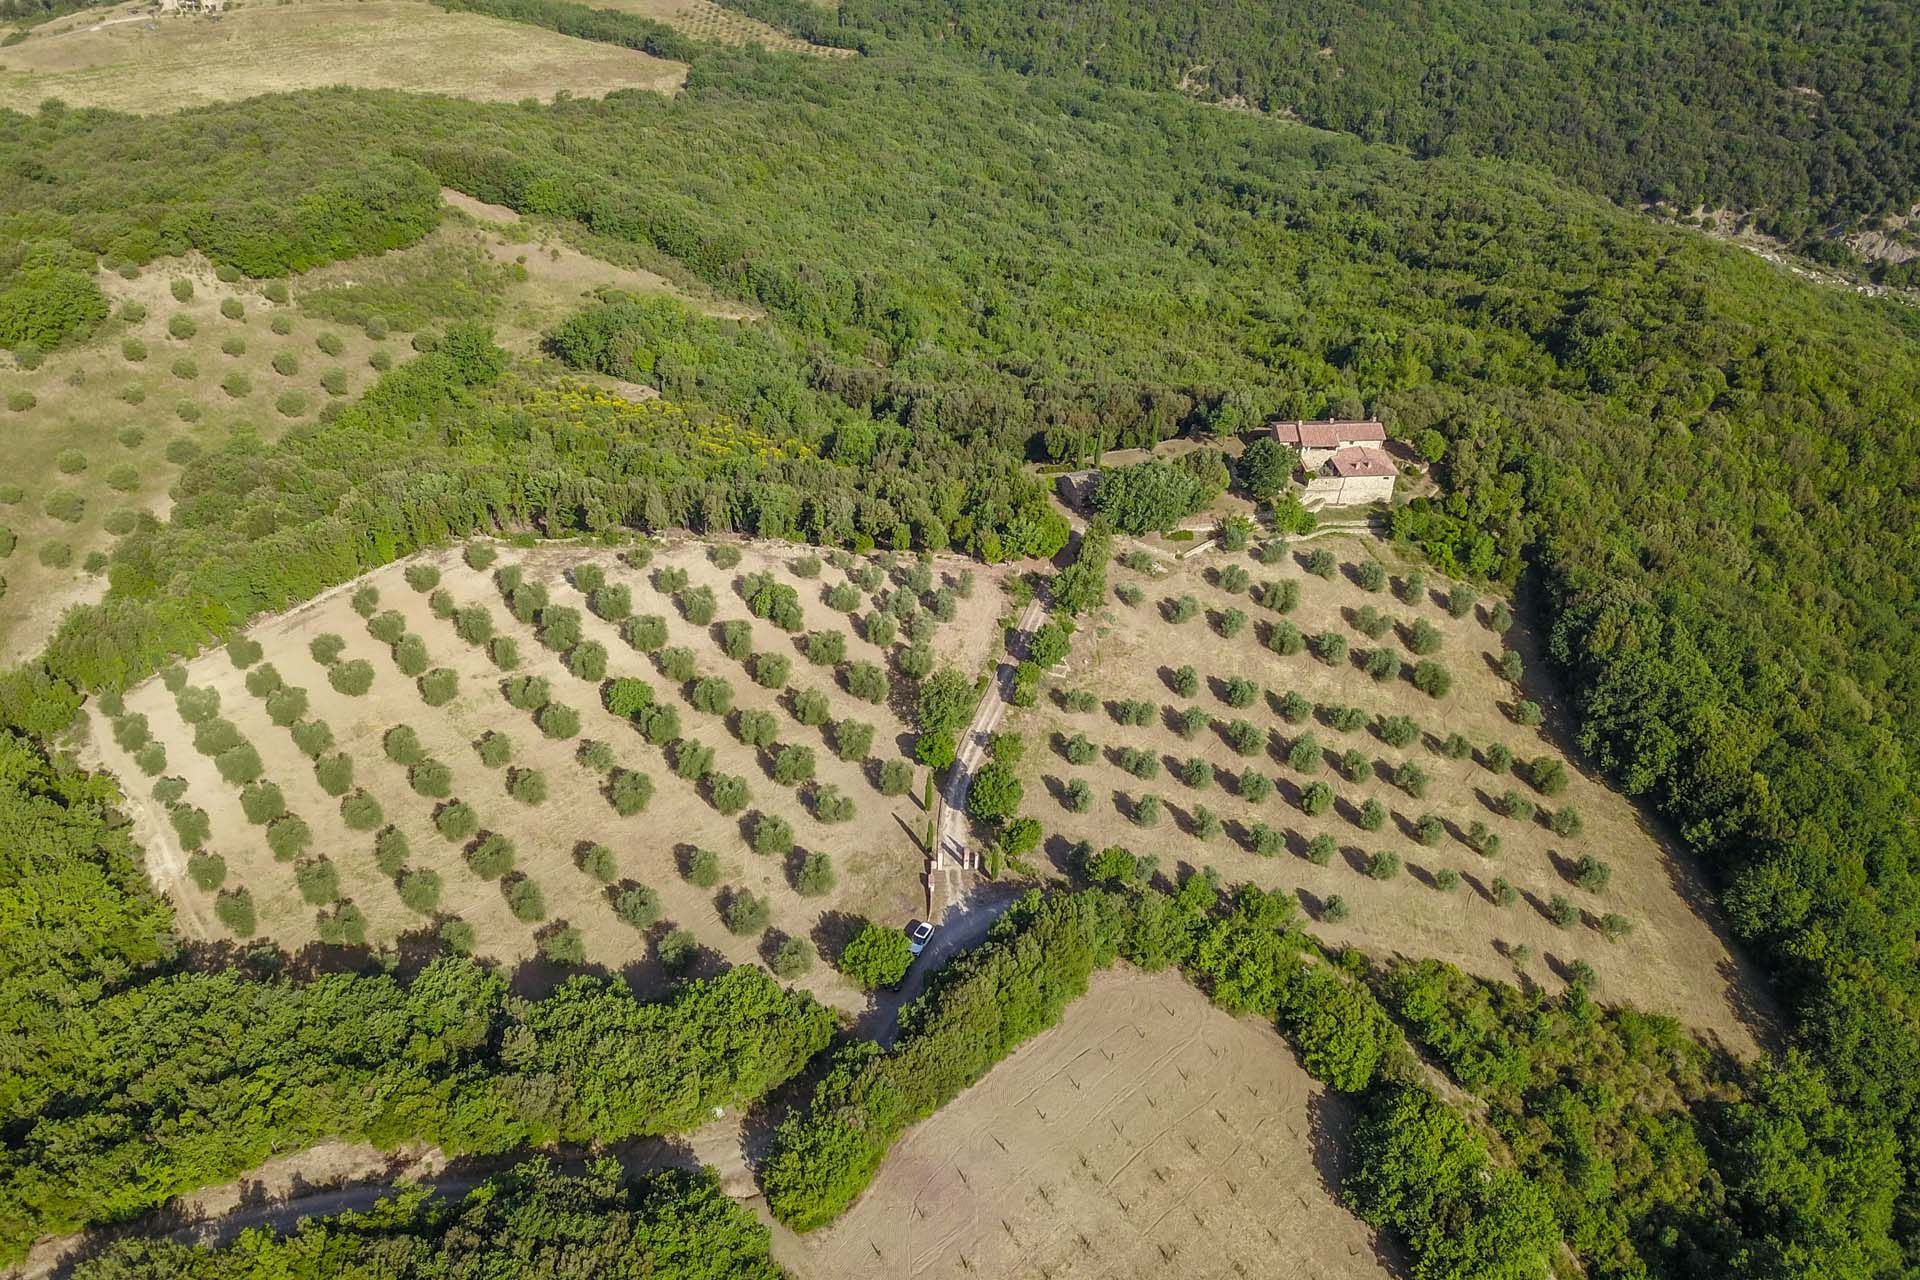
(1351, 476)
(1319, 441)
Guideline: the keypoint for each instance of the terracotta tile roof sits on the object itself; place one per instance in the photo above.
(1348, 463)
(1327, 435)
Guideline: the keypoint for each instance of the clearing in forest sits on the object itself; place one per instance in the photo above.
(558, 753)
(1316, 716)
(126, 61)
(97, 433)
(186, 362)
(1148, 1134)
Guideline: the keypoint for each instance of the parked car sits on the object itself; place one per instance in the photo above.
(919, 933)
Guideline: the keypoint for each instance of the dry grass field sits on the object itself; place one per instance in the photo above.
(97, 434)
(875, 859)
(125, 60)
(1149, 1134)
(1441, 898)
(705, 20)
(166, 379)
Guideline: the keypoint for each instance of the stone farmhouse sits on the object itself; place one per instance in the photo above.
(1317, 442)
(1346, 463)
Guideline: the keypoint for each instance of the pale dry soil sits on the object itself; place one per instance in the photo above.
(876, 856)
(1148, 1135)
(162, 64)
(1675, 960)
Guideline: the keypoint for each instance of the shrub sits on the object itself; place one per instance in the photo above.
(810, 707)
(326, 648)
(1372, 815)
(56, 555)
(598, 861)
(207, 870)
(637, 905)
(1592, 874)
(1254, 786)
(1547, 775)
(896, 777)
(828, 804)
(525, 900)
(528, 786)
(492, 857)
(191, 826)
(504, 651)
(876, 957)
(237, 385)
(793, 765)
(728, 793)
(239, 764)
(702, 868)
(391, 850)
(319, 881)
(1562, 913)
(133, 350)
(289, 836)
(353, 677)
(197, 705)
(420, 891)
(334, 773)
(814, 877)
(287, 706)
(792, 958)
(1320, 849)
(329, 342)
(361, 812)
(746, 913)
(563, 944)
(65, 506)
(1432, 679)
(150, 759)
(181, 326)
(713, 695)
(1384, 865)
(1429, 830)
(1316, 800)
(282, 325)
(432, 779)
(558, 721)
(1146, 811)
(1396, 731)
(456, 820)
(234, 909)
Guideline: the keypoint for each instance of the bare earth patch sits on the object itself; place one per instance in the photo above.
(1675, 959)
(170, 63)
(1149, 1134)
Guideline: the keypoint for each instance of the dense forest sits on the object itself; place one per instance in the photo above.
(1804, 113)
(530, 1221)
(1704, 473)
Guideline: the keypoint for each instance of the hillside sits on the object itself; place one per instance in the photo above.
(1797, 112)
(858, 303)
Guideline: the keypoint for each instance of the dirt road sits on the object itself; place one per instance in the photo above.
(949, 872)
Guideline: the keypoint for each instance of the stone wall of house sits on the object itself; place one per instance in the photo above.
(1332, 491)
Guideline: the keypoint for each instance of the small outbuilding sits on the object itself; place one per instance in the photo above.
(1352, 476)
